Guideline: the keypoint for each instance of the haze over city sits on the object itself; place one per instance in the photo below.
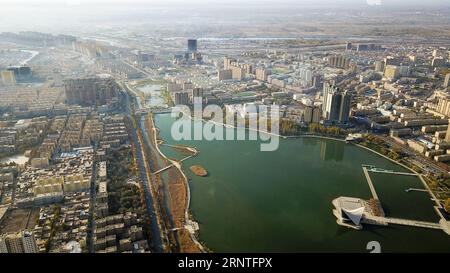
(59, 16)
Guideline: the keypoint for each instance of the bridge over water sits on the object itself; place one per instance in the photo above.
(178, 163)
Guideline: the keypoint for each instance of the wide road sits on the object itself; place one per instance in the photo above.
(426, 162)
(92, 207)
(156, 236)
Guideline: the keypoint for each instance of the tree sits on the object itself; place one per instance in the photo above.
(434, 184)
(447, 205)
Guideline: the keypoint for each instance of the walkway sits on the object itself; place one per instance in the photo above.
(173, 164)
(369, 181)
(414, 189)
(379, 170)
(190, 149)
(405, 222)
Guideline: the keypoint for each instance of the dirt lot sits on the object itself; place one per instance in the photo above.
(19, 219)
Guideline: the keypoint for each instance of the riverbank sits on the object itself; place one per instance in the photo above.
(189, 224)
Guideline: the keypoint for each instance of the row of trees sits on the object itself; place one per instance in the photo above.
(53, 226)
(317, 128)
(377, 144)
(289, 127)
(122, 197)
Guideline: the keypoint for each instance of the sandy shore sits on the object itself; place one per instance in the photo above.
(188, 239)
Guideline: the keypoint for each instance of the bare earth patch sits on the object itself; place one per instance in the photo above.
(199, 170)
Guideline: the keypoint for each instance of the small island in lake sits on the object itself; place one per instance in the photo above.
(199, 170)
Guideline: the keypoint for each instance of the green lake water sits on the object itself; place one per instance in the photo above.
(280, 201)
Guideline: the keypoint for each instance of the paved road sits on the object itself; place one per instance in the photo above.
(92, 207)
(426, 162)
(156, 238)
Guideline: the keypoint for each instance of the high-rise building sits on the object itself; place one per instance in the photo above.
(443, 106)
(305, 76)
(224, 74)
(336, 104)
(262, 74)
(349, 46)
(317, 81)
(90, 91)
(29, 242)
(447, 80)
(196, 93)
(391, 72)
(237, 73)
(307, 114)
(248, 68)
(379, 66)
(311, 114)
(22, 71)
(21, 242)
(339, 61)
(344, 108)
(238, 70)
(180, 98)
(8, 77)
(3, 247)
(447, 135)
(228, 62)
(317, 113)
(192, 45)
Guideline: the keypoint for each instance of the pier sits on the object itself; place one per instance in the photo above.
(351, 212)
(404, 222)
(369, 181)
(414, 189)
(378, 170)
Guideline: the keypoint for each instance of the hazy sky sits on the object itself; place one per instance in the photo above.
(62, 15)
(211, 2)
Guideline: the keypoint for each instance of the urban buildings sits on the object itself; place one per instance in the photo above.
(391, 72)
(90, 91)
(21, 73)
(224, 74)
(89, 173)
(237, 73)
(447, 80)
(262, 74)
(336, 104)
(192, 45)
(8, 77)
(237, 70)
(180, 98)
(379, 66)
(197, 92)
(20, 242)
(339, 61)
(443, 106)
(312, 114)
